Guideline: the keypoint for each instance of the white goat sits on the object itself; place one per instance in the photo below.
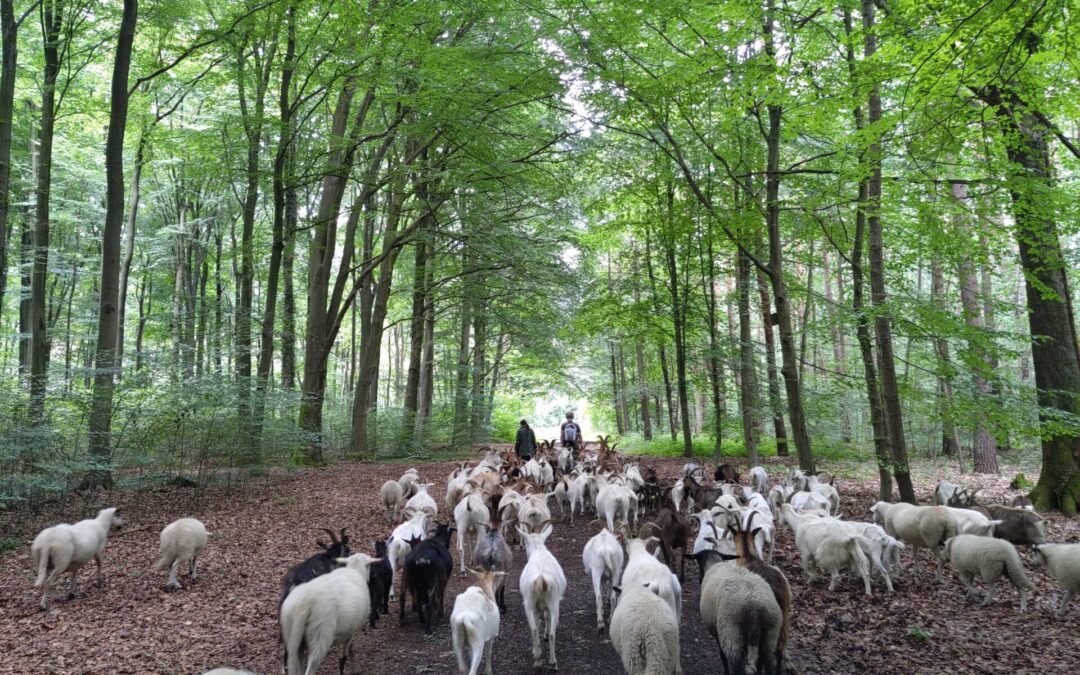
(568, 495)
(603, 560)
(409, 481)
(616, 502)
(830, 544)
(422, 500)
(181, 541)
(399, 544)
(542, 584)
(470, 515)
(66, 548)
(326, 612)
(474, 623)
(759, 478)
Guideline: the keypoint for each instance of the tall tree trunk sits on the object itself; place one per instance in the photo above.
(984, 447)
(639, 362)
(371, 340)
(144, 292)
(789, 359)
(1054, 349)
(52, 21)
(858, 304)
(461, 379)
(950, 446)
(9, 32)
(129, 249)
(416, 337)
(479, 370)
(776, 404)
(747, 368)
(426, 394)
(252, 119)
(277, 247)
(620, 425)
(677, 316)
(108, 308)
(672, 426)
(839, 345)
(890, 393)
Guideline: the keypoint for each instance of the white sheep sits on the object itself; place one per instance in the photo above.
(326, 612)
(181, 541)
(474, 623)
(603, 560)
(66, 548)
(645, 633)
(542, 584)
(422, 500)
(470, 515)
(1063, 563)
(740, 610)
(409, 482)
(643, 568)
(920, 526)
(988, 558)
(390, 495)
(830, 544)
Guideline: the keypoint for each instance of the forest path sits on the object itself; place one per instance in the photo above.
(229, 617)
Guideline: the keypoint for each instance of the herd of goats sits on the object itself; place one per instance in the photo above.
(502, 502)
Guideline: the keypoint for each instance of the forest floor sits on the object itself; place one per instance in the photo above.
(228, 618)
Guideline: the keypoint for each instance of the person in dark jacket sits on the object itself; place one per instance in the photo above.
(525, 443)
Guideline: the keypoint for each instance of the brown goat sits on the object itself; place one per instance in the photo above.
(703, 495)
(673, 530)
(748, 558)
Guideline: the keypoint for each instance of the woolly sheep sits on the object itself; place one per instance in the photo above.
(741, 612)
(831, 544)
(988, 558)
(645, 633)
(1063, 563)
(474, 623)
(643, 568)
(409, 482)
(66, 548)
(920, 526)
(324, 613)
(603, 559)
(542, 584)
(181, 541)
(390, 495)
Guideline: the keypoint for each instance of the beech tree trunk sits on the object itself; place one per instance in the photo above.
(108, 307)
(890, 393)
(9, 32)
(1054, 350)
(984, 446)
(950, 446)
(747, 368)
(776, 405)
(52, 23)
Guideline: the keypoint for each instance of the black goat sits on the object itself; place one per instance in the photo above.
(380, 577)
(315, 566)
(427, 568)
(726, 473)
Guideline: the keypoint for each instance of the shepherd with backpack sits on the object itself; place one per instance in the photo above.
(570, 435)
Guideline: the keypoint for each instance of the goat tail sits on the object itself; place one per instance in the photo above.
(293, 627)
(41, 555)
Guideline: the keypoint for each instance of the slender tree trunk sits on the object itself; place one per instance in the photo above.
(858, 304)
(479, 370)
(776, 404)
(277, 247)
(639, 362)
(789, 359)
(984, 447)
(747, 368)
(416, 339)
(838, 345)
(677, 315)
(619, 424)
(129, 250)
(672, 426)
(144, 291)
(890, 393)
(108, 308)
(461, 381)
(9, 32)
(950, 446)
(427, 368)
(52, 15)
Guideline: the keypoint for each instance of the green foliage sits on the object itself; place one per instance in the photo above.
(10, 544)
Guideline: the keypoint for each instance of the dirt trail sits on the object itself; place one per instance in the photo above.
(229, 617)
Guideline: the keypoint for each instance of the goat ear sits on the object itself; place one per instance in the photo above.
(753, 532)
(341, 561)
(725, 556)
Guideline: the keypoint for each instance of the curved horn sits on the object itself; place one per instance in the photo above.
(642, 530)
(333, 537)
(750, 520)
